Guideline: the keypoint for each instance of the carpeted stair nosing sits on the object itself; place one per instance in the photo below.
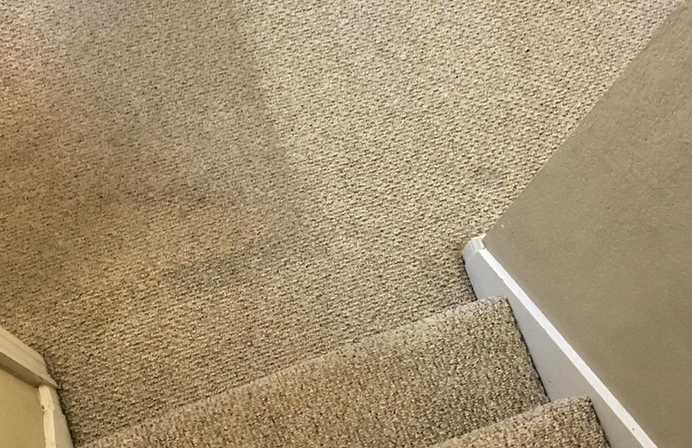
(417, 385)
(569, 423)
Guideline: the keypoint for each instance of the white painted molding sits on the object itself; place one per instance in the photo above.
(563, 372)
(27, 365)
(55, 428)
(22, 361)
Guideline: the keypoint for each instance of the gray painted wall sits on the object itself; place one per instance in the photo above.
(602, 238)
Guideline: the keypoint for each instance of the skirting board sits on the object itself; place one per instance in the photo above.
(30, 367)
(55, 429)
(563, 372)
(22, 361)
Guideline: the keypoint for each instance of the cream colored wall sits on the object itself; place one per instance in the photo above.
(602, 238)
(21, 416)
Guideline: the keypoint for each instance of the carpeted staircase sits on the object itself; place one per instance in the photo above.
(462, 377)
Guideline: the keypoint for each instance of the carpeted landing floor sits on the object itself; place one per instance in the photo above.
(198, 194)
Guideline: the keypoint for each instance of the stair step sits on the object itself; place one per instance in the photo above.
(417, 385)
(569, 423)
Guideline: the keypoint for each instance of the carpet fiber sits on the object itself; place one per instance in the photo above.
(439, 378)
(196, 194)
(568, 423)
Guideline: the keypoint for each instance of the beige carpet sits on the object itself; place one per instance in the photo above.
(420, 384)
(568, 423)
(196, 194)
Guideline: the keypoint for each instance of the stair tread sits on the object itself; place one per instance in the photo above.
(569, 423)
(417, 385)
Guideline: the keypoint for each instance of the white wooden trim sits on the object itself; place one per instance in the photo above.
(27, 365)
(22, 361)
(55, 428)
(563, 372)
